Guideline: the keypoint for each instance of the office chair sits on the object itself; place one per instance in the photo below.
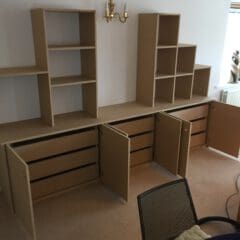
(168, 210)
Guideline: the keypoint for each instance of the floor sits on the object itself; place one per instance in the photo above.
(96, 213)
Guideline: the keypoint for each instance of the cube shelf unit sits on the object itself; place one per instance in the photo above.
(166, 68)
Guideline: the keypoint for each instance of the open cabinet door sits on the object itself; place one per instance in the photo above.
(185, 148)
(224, 128)
(115, 160)
(167, 142)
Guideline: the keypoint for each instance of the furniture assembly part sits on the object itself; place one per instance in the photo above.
(167, 141)
(21, 190)
(223, 128)
(115, 160)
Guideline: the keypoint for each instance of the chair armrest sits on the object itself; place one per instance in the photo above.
(234, 223)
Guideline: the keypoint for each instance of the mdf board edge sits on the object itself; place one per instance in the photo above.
(167, 141)
(223, 128)
(185, 148)
(147, 43)
(115, 160)
(21, 191)
(5, 183)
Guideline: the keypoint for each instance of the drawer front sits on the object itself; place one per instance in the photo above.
(199, 126)
(61, 182)
(198, 140)
(58, 145)
(62, 163)
(136, 126)
(141, 156)
(141, 141)
(192, 113)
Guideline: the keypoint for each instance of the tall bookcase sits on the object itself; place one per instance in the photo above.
(67, 36)
(166, 68)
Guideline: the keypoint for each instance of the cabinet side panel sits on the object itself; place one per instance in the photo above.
(115, 160)
(167, 142)
(21, 191)
(147, 43)
(4, 177)
(224, 128)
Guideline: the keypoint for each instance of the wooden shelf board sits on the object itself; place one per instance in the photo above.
(162, 76)
(200, 66)
(29, 129)
(166, 46)
(70, 80)
(182, 74)
(21, 71)
(69, 47)
(67, 10)
(185, 45)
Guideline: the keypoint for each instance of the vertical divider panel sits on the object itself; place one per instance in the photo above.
(147, 49)
(4, 177)
(41, 55)
(115, 160)
(21, 191)
(167, 141)
(185, 148)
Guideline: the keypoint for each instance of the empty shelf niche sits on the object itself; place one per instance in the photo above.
(168, 29)
(164, 90)
(201, 80)
(183, 87)
(70, 30)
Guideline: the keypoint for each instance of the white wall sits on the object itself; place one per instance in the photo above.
(202, 22)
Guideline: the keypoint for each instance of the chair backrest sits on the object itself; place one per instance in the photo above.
(166, 211)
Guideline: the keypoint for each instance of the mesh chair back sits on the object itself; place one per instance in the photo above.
(166, 211)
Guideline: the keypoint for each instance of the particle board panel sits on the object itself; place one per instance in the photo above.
(185, 148)
(198, 140)
(192, 113)
(164, 90)
(141, 156)
(22, 198)
(142, 141)
(224, 128)
(39, 36)
(147, 44)
(21, 71)
(62, 163)
(58, 183)
(199, 126)
(167, 141)
(115, 160)
(133, 127)
(57, 145)
(4, 177)
(184, 86)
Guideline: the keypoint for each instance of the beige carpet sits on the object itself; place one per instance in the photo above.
(95, 213)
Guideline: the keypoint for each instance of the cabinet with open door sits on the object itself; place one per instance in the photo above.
(160, 137)
(214, 125)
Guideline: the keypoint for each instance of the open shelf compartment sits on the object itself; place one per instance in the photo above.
(164, 90)
(168, 29)
(70, 30)
(166, 62)
(183, 87)
(186, 59)
(201, 80)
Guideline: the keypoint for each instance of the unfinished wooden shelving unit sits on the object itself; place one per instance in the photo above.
(62, 32)
(166, 68)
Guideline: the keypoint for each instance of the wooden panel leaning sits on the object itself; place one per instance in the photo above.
(57, 145)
